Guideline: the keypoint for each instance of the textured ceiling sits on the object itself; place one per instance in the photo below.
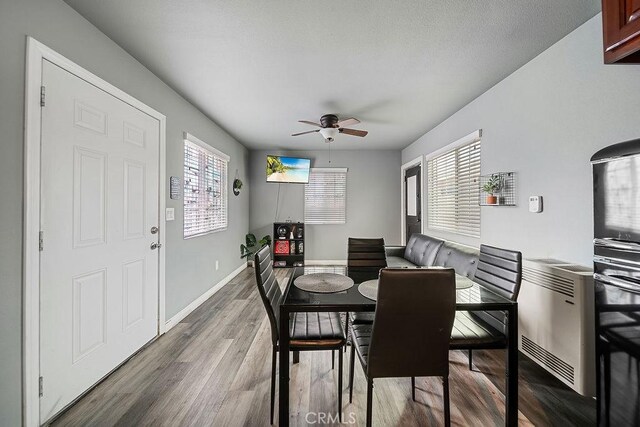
(256, 67)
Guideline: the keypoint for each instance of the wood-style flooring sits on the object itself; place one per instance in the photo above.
(213, 369)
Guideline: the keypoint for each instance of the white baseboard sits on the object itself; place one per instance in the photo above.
(202, 298)
(325, 262)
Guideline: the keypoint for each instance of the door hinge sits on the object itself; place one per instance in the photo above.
(41, 240)
(40, 386)
(42, 96)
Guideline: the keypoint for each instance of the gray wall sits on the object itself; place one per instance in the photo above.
(373, 200)
(189, 269)
(544, 122)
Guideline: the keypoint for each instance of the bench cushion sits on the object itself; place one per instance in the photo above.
(422, 249)
(399, 262)
(395, 251)
(461, 258)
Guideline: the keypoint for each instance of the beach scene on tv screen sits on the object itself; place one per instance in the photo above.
(287, 169)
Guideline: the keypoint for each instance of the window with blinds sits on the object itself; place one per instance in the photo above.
(452, 190)
(325, 196)
(205, 188)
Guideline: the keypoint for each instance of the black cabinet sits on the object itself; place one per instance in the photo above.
(288, 244)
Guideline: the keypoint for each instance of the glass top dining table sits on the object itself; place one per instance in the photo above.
(472, 298)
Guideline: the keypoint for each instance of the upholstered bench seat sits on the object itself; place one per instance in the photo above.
(399, 262)
(427, 251)
(468, 332)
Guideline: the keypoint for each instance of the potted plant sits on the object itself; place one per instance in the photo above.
(491, 187)
(252, 245)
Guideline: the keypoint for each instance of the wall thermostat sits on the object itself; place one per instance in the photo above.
(535, 204)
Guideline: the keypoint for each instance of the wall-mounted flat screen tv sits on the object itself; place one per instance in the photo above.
(291, 170)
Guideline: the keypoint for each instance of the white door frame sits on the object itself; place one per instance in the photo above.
(415, 162)
(36, 54)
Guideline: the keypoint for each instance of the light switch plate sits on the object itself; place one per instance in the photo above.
(170, 214)
(535, 204)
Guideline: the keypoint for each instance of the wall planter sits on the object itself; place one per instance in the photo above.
(497, 189)
(237, 185)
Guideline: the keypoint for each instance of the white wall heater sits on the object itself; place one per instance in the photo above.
(556, 321)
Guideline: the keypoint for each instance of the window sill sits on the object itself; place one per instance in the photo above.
(205, 233)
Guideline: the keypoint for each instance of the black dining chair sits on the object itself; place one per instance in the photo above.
(499, 271)
(365, 258)
(410, 334)
(307, 331)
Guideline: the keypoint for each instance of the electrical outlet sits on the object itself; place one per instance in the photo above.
(216, 265)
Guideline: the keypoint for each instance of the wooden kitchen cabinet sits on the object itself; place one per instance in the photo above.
(621, 31)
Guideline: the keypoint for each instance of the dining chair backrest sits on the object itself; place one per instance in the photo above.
(414, 316)
(365, 258)
(500, 271)
(269, 288)
(366, 253)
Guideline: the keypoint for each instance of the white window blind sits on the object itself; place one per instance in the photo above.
(452, 190)
(205, 188)
(325, 196)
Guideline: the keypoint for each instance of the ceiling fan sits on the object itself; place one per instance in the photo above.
(330, 126)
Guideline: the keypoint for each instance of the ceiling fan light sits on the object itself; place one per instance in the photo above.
(329, 133)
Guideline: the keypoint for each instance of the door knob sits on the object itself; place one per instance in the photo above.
(155, 245)
(154, 230)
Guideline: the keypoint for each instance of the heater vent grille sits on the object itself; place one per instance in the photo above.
(548, 359)
(550, 281)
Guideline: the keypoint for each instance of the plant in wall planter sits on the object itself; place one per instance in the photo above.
(491, 187)
(252, 245)
(237, 185)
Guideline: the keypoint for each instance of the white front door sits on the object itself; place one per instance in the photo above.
(99, 201)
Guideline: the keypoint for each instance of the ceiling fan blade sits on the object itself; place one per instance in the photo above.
(310, 123)
(354, 132)
(303, 133)
(348, 122)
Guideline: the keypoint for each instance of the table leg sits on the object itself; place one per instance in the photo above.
(511, 394)
(283, 397)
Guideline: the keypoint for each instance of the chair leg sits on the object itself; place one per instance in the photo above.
(413, 388)
(470, 360)
(274, 353)
(369, 401)
(340, 355)
(351, 363)
(447, 409)
(346, 328)
(607, 385)
(296, 357)
(333, 359)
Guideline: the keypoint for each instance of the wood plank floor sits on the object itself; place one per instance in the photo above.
(213, 368)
